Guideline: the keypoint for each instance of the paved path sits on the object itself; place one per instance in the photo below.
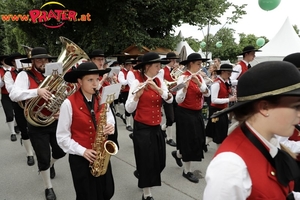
(18, 181)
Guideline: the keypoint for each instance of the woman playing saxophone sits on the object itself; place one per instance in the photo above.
(76, 132)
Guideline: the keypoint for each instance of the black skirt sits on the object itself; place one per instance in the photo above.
(217, 130)
(150, 153)
(190, 134)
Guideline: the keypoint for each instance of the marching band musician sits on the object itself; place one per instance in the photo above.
(25, 88)
(9, 79)
(5, 100)
(221, 95)
(251, 159)
(248, 56)
(76, 132)
(122, 77)
(190, 133)
(169, 108)
(99, 59)
(145, 98)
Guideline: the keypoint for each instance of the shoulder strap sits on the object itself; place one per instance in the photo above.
(33, 76)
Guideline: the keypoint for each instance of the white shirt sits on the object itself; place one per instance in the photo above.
(2, 82)
(180, 94)
(294, 146)
(131, 105)
(122, 79)
(227, 176)
(63, 131)
(237, 68)
(214, 89)
(9, 81)
(130, 77)
(20, 90)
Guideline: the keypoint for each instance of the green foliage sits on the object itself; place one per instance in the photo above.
(115, 24)
(194, 43)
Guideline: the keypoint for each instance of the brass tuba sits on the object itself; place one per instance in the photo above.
(175, 73)
(104, 148)
(39, 112)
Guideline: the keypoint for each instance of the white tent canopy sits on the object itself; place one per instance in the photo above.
(184, 49)
(285, 42)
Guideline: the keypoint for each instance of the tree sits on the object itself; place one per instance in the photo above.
(194, 43)
(116, 24)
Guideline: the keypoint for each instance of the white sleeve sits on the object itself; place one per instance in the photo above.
(180, 95)
(165, 90)
(227, 178)
(235, 75)
(130, 78)
(122, 79)
(63, 131)
(130, 104)
(215, 88)
(293, 145)
(204, 87)
(161, 74)
(110, 118)
(1, 82)
(9, 81)
(20, 91)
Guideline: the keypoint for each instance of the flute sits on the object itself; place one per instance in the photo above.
(144, 84)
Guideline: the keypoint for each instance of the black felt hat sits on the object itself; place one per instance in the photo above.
(293, 58)
(171, 55)
(114, 64)
(148, 58)
(248, 49)
(283, 80)
(193, 57)
(8, 60)
(38, 52)
(139, 59)
(97, 53)
(83, 69)
(225, 67)
(2, 57)
(129, 61)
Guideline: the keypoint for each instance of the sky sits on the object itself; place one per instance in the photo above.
(257, 21)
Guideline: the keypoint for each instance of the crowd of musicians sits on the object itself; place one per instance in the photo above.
(152, 87)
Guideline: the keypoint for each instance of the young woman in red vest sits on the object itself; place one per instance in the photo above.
(221, 95)
(190, 133)
(145, 98)
(76, 131)
(42, 138)
(250, 163)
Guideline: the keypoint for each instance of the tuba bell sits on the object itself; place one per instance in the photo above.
(40, 112)
(175, 73)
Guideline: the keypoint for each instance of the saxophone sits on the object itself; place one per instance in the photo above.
(104, 148)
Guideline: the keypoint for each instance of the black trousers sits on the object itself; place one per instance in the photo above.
(21, 120)
(87, 186)
(169, 109)
(42, 138)
(7, 107)
(124, 96)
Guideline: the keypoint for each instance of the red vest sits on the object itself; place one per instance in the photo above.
(193, 98)
(244, 68)
(295, 136)
(32, 82)
(126, 87)
(2, 73)
(148, 110)
(82, 129)
(137, 74)
(223, 93)
(167, 75)
(262, 174)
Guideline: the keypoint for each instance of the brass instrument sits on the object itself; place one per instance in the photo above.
(175, 73)
(40, 112)
(104, 148)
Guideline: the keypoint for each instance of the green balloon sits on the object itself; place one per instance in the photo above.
(219, 44)
(268, 4)
(260, 42)
(202, 44)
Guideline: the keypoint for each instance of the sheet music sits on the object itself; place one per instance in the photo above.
(114, 70)
(113, 89)
(20, 65)
(50, 67)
